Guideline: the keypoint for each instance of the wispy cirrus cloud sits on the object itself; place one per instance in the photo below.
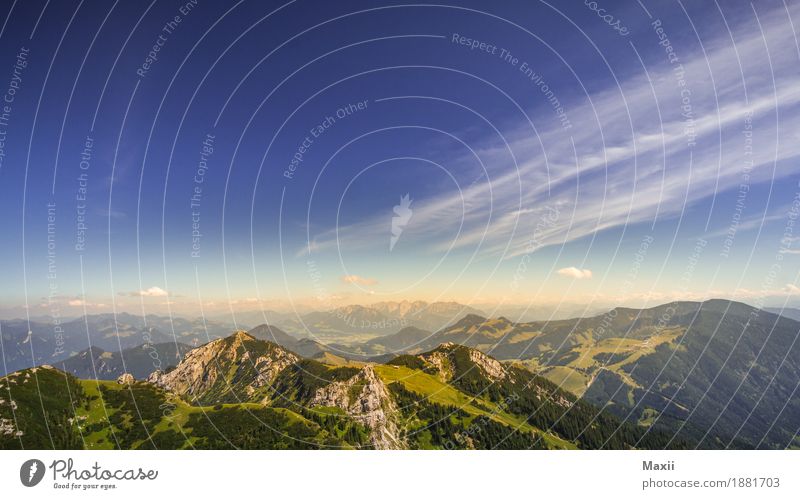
(628, 158)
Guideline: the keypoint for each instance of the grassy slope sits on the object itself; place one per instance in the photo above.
(576, 369)
(439, 392)
(43, 405)
(92, 414)
(180, 425)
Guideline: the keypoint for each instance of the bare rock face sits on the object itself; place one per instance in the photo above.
(268, 366)
(490, 366)
(195, 373)
(126, 379)
(203, 366)
(365, 398)
(441, 361)
(7, 428)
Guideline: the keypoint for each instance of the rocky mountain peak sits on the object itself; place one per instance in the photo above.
(449, 358)
(239, 358)
(241, 336)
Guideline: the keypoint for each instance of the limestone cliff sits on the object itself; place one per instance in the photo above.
(366, 399)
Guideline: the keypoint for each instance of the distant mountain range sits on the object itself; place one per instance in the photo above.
(533, 312)
(379, 319)
(27, 344)
(50, 344)
(96, 363)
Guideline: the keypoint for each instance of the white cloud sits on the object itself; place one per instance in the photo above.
(358, 280)
(82, 303)
(154, 291)
(575, 273)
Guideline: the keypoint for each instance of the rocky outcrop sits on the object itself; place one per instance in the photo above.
(195, 373)
(267, 366)
(126, 379)
(542, 393)
(365, 398)
(441, 361)
(11, 403)
(7, 428)
(490, 366)
(250, 362)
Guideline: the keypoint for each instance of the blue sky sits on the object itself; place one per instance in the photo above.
(538, 158)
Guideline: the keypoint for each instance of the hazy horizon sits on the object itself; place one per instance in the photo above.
(518, 312)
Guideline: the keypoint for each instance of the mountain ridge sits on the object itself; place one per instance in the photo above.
(376, 405)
